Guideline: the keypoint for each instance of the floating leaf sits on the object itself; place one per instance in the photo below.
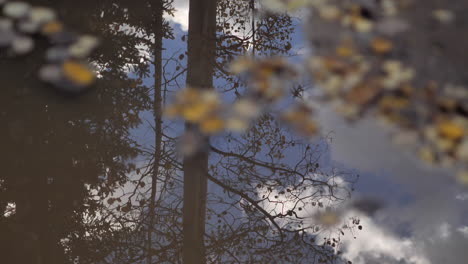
(27, 26)
(462, 150)
(344, 51)
(381, 45)
(6, 24)
(246, 108)
(363, 25)
(196, 112)
(52, 28)
(78, 73)
(50, 73)
(83, 46)
(212, 125)
(41, 15)
(450, 130)
(22, 45)
(363, 93)
(462, 177)
(237, 124)
(328, 218)
(172, 111)
(443, 16)
(329, 12)
(427, 155)
(16, 9)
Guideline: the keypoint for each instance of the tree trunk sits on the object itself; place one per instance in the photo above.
(201, 57)
(157, 106)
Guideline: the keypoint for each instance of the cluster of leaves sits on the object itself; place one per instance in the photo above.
(267, 80)
(361, 71)
(252, 169)
(67, 68)
(74, 189)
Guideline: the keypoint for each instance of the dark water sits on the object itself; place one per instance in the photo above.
(97, 176)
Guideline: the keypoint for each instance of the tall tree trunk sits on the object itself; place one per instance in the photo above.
(157, 106)
(201, 58)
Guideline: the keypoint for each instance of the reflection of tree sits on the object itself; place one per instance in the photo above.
(63, 160)
(242, 169)
(200, 67)
(238, 169)
(271, 177)
(62, 156)
(241, 30)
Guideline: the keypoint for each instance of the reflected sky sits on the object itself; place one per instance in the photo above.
(77, 184)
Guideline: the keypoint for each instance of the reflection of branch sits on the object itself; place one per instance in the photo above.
(248, 199)
(265, 165)
(250, 160)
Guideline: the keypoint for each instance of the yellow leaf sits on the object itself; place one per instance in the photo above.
(363, 93)
(462, 151)
(210, 97)
(344, 51)
(381, 45)
(296, 4)
(450, 130)
(212, 125)
(240, 65)
(329, 12)
(363, 25)
(443, 15)
(393, 102)
(246, 108)
(237, 125)
(427, 155)
(392, 66)
(172, 111)
(195, 112)
(78, 73)
(188, 95)
(309, 128)
(52, 28)
(329, 218)
(295, 116)
(462, 177)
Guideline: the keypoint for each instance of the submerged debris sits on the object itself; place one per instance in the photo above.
(22, 45)
(364, 71)
(16, 9)
(267, 79)
(301, 119)
(20, 23)
(443, 16)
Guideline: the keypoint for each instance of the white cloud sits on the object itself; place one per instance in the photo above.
(464, 230)
(375, 243)
(181, 13)
(429, 218)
